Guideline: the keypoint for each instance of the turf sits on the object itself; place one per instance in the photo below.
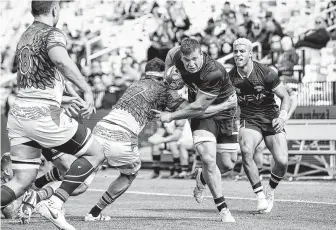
(168, 204)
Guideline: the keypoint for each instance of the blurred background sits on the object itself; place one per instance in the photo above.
(111, 41)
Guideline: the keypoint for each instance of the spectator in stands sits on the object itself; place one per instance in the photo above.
(317, 38)
(287, 59)
(227, 11)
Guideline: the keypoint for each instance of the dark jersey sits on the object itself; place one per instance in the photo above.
(134, 109)
(37, 75)
(255, 93)
(211, 79)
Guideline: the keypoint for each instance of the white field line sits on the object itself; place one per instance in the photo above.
(233, 198)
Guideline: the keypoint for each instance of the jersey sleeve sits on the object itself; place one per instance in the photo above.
(174, 100)
(170, 58)
(272, 81)
(55, 38)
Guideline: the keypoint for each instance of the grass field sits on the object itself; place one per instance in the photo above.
(168, 204)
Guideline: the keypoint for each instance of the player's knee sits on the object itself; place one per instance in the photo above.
(129, 177)
(24, 178)
(281, 162)
(247, 152)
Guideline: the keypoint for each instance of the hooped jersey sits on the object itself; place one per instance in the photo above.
(37, 75)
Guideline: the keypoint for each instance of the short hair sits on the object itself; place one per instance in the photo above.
(189, 45)
(42, 7)
(243, 41)
(155, 65)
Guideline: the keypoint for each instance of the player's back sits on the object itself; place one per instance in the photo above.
(37, 76)
(133, 109)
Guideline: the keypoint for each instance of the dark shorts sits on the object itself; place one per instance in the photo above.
(221, 131)
(266, 129)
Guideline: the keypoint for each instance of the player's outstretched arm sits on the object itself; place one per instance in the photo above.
(293, 103)
(194, 109)
(59, 56)
(231, 102)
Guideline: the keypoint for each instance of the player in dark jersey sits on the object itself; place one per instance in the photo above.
(118, 131)
(258, 155)
(256, 85)
(215, 137)
(36, 119)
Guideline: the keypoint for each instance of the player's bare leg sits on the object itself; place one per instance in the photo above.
(226, 156)
(115, 190)
(249, 139)
(173, 147)
(184, 158)
(212, 177)
(259, 157)
(277, 144)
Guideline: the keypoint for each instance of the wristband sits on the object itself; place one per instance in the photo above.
(283, 115)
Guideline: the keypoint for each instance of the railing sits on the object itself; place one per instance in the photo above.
(315, 93)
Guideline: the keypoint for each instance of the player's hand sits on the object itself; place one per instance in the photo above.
(89, 105)
(278, 124)
(163, 116)
(71, 110)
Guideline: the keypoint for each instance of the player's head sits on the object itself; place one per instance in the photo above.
(46, 8)
(242, 51)
(191, 55)
(155, 69)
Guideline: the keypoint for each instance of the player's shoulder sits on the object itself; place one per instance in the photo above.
(268, 73)
(212, 69)
(233, 72)
(175, 52)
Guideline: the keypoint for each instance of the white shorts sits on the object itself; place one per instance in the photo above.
(47, 125)
(120, 146)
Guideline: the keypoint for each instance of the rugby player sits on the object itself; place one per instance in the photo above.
(261, 119)
(36, 119)
(215, 137)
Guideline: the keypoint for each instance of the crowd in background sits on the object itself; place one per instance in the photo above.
(132, 32)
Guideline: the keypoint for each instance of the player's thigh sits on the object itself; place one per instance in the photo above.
(173, 147)
(25, 162)
(119, 146)
(277, 144)
(204, 133)
(249, 138)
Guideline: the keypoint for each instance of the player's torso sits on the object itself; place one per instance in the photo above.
(255, 97)
(195, 81)
(133, 110)
(37, 76)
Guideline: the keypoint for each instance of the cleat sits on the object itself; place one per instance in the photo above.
(153, 175)
(48, 210)
(100, 217)
(269, 197)
(27, 207)
(262, 205)
(199, 189)
(226, 216)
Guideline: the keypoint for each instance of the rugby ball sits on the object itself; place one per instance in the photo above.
(174, 78)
